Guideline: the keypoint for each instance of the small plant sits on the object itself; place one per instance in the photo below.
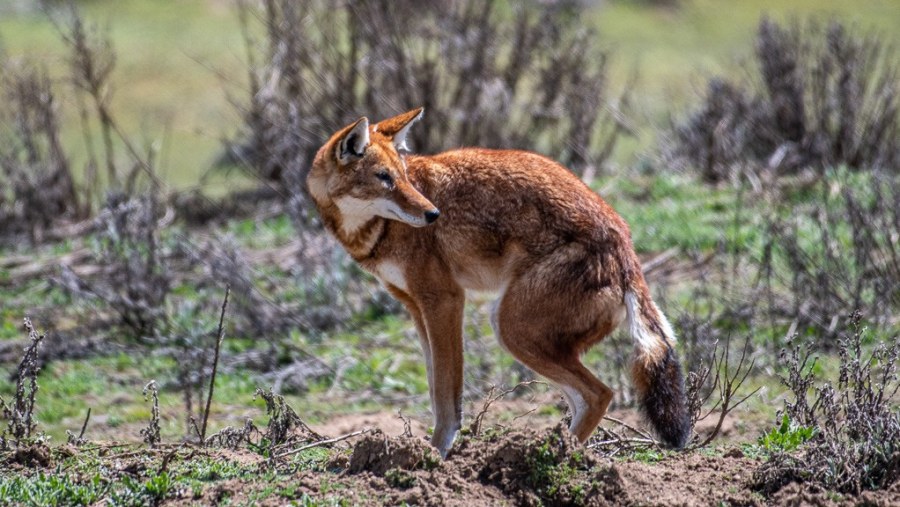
(786, 437)
(725, 379)
(283, 421)
(494, 394)
(151, 432)
(133, 492)
(233, 438)
(136, 280)
(399, 478)
(158, 486)
(19, 413)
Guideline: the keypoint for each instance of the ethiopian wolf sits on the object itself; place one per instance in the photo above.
(512, 222)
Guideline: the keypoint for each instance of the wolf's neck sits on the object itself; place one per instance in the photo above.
(359, 238)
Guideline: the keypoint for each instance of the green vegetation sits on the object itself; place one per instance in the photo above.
(786, 437)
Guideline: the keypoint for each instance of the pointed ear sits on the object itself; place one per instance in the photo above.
(398, 127)
(353, 142)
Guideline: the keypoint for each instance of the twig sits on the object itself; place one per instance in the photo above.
(407, 427)
(167, 458)
(196, 429)
(84, 426)
(109, 446)
(523, 414)
(609, 437)
(212, 379)
(659, 260)
(729, 385)
(475, 427)
(323, 442)
(620, 441)
(642, 433)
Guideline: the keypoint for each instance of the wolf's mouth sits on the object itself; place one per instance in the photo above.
(405, 220)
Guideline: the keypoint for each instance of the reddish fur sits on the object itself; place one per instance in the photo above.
(510, 221)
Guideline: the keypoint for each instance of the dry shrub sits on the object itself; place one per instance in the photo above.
(531, 79)
(284, 426)
(150, 433)
(37, 187)
(822, 263)
(36, 183)
(19, 412)
(136, 276)
(857, 441)
(225, 263)
(824, 95)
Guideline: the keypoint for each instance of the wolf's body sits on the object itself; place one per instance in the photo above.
(511, 222)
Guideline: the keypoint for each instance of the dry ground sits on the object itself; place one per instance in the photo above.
(500, 467)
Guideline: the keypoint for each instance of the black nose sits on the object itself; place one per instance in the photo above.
(431, 216)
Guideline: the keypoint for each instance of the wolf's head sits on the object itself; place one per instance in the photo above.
(362, 172)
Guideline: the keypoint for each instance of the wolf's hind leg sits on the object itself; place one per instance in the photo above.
(547, 334)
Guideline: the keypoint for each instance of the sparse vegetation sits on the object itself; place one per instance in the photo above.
(128, 276)
(826, 95)
(19, 412)
(849, 431)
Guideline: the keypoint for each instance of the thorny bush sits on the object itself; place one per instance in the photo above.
(283, 421)
(533, 78)
(857, 441)
(19, 412)
(137, 278)
(822, 263)
(825, 95)
(36, 182)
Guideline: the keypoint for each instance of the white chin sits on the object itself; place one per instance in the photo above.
(404, 218)
(408, 221)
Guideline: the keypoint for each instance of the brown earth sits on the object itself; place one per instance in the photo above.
(501, 467)
(529, 467)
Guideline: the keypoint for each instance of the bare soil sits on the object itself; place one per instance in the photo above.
(546, 467)
(500, 467)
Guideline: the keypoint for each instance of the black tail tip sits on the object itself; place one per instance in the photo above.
(664, 401)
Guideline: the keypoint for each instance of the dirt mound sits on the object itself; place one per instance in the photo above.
(534, 468)
(377, 453)
(522, 467)
(33, 456)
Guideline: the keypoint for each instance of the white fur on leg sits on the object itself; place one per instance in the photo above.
(576, 404)
(443, 437)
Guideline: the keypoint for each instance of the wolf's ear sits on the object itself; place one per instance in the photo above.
(352, 145)
(398, 127)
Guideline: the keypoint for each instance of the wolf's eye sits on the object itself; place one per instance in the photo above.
(385, 177)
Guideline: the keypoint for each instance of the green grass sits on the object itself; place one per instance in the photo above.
(669, 210)
(165, 85)
(50, 490)
(91, 476)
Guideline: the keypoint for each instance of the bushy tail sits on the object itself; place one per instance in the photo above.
(656, 372)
